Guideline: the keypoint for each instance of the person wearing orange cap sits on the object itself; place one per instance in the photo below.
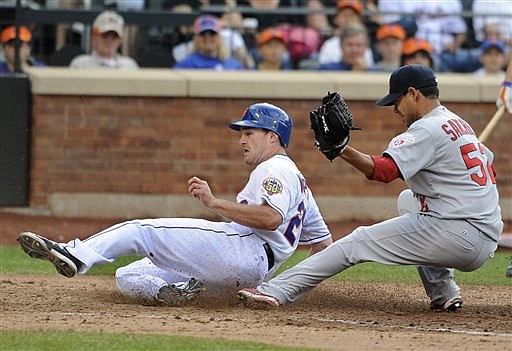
(390, 38)
(7, 38)
(107, 38)
(417, 51)
(348, 12)
(271, 50)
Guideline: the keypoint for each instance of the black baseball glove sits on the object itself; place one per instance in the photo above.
(332, 123)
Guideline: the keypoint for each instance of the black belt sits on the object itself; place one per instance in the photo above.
(270, 255)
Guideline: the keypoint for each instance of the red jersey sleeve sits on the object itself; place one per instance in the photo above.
(385, 170)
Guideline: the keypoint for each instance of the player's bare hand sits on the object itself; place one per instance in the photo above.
(200, 189)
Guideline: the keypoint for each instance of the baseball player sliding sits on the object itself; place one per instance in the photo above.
(450, 217)
(274, 213)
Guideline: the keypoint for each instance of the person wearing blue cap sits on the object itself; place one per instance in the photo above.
(492, 58)
(448, 218)
(208, 50)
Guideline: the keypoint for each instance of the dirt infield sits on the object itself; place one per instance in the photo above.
(335, 316)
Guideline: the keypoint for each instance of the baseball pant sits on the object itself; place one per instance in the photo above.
(409, 239)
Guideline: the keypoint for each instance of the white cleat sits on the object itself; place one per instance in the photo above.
(251, 296)
(178, 293)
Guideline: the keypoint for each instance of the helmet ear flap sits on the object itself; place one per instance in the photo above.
(269, 117)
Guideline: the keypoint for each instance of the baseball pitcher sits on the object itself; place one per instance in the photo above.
(450, 215)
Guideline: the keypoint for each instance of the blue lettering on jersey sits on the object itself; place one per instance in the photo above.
(303, 185)
(295, 224)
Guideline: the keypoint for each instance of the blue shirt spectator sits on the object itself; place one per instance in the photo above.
(209, 51)
(200, 61)
(335, 66)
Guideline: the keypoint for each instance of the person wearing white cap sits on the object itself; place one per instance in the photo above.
(107, 37)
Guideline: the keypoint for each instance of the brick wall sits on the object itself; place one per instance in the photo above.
(152, 145)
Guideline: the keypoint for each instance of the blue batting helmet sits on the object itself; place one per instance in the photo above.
(269, 117)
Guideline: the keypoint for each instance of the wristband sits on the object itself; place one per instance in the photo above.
(507, 84)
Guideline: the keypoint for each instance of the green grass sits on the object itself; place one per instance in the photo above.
(14, 260)
(78, 341)
(492, 273)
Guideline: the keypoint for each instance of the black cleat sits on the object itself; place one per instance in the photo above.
(38, 247)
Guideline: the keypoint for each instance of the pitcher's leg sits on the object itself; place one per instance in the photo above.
(385, 242)
(410, 239)
(439, 283)
(293, 283)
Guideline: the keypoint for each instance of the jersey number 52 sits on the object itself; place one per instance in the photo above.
(480, 176)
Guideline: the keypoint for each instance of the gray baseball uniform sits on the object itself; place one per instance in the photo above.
(449, 218)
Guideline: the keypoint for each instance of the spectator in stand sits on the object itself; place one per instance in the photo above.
(390, 38)
(487, 26)
(231, 34)
(232, 30)
(440, 22)
(265, 21)
(348, 12)
(271, 50)
(417, 51)
(209, 51)
(106, 39)
(397, 11)
(156, 40)
(354, 43)
(317, 19)
(492, 58)
(8, 40)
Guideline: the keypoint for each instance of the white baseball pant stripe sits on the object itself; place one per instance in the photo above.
(175, 250)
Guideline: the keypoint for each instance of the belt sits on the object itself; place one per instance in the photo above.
(270, 255)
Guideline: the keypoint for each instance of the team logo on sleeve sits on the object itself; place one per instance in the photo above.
(272, 186)
(402, 139)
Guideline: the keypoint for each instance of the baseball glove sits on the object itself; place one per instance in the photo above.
(332, 123)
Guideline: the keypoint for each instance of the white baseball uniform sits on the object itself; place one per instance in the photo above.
(453, 219)
(226, 256)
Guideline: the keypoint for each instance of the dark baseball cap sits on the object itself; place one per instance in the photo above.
(416, 76)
